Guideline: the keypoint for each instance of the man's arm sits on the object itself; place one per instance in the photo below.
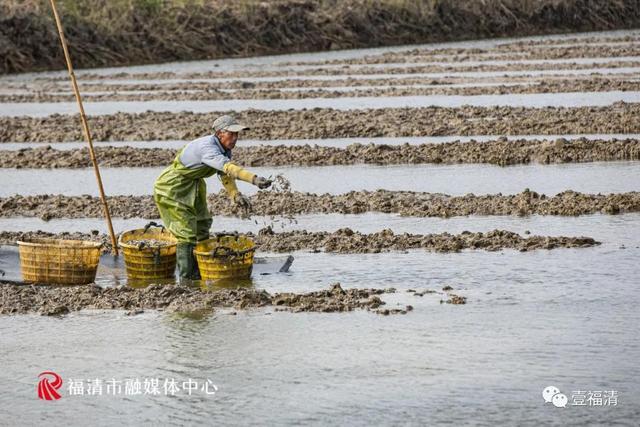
(213, 158)
(229, 184)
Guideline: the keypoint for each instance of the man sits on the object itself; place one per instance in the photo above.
(181, 193)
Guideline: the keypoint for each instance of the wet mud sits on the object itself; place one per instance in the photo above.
(238, 87)
(455, 299)
(149, 243)
(329, 123)
(347, 241)
(267, 203)
(499, 152)
(419, 67)
(531, 50)
(56, 301)
(185, 93)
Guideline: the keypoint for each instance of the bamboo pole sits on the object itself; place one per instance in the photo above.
(85, 126)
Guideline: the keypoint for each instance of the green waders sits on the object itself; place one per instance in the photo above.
(181, 196)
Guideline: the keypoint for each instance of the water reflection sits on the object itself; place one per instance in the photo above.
(215, 285)
(458, 179)
(528, 100)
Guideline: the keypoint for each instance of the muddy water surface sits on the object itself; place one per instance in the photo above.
(606, 177)
(527, 322)
(533, 100)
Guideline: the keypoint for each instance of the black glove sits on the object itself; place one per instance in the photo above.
(261, 182)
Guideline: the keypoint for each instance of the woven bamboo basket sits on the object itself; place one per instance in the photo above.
(62, 262)
(226, 256)
(148, 263)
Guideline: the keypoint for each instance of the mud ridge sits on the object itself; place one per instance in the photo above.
(58, 300)
(596, 85)
(405, 203)
(329, 123)
(347, 241)
(240, 86)
(500, 152)
(537, 51)
(412, 68)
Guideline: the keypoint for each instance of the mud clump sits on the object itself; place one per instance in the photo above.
(455, 300)
(424, 292)
(388, 311)
(347, 241)
(329, 123)
(149, 243)
(405, 203)
(11, 237)
(56, 301)
(498, 152)
(335, 299)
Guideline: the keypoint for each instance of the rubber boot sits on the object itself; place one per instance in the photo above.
(186, 261)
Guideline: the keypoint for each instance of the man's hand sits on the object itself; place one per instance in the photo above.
(242, 201)
(261, 182)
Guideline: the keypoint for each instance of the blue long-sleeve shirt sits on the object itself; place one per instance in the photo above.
(205, 151)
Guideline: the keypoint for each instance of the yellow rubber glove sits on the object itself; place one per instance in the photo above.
(237, 172)
(229, 184)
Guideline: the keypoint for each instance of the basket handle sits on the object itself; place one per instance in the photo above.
(152, 224)
(224, 234)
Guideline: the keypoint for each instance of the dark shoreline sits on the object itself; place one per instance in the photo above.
(116, 35)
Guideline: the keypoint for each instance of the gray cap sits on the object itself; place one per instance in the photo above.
(228, 123)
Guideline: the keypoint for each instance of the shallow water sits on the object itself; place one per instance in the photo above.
(605, 177)
(530, 100)
(326, 142)
(565, 318)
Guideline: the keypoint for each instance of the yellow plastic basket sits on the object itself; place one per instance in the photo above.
(226, 256)
(60, 262)
(148, 263)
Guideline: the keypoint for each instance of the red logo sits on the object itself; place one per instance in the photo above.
(49, 383)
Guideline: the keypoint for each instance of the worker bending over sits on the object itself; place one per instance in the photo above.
(180, 191)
